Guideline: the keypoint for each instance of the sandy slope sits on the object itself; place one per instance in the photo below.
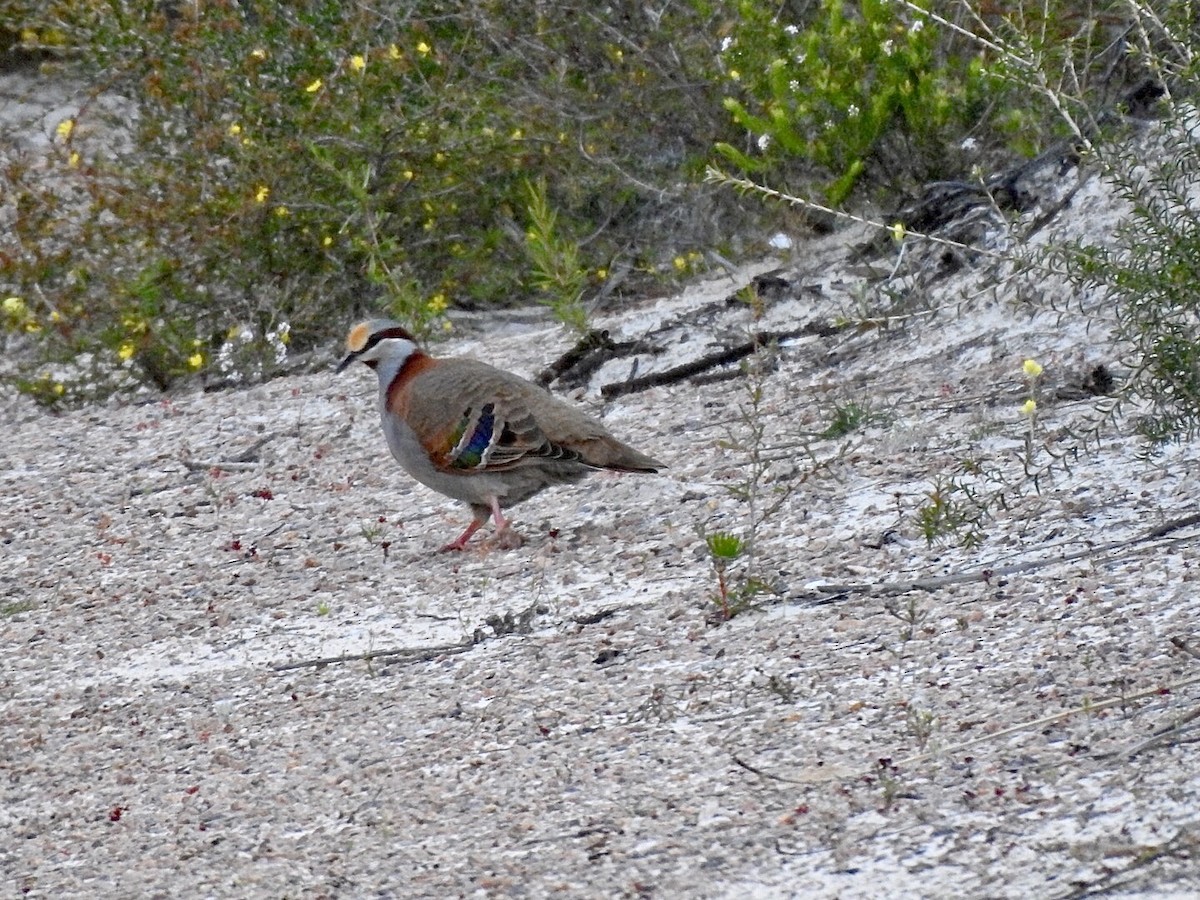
(984, 737)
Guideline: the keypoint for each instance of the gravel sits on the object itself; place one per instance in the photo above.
(572, 717)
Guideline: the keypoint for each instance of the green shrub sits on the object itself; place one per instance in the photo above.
(866, 86)
(1149, 271)
(294, 165)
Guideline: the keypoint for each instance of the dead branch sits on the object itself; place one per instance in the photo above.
(413, 654)
(988, 573)
(713, 360)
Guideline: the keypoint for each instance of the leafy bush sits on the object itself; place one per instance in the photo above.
(871, 85)
(295, 164)
(900, 92)
(1149, 273)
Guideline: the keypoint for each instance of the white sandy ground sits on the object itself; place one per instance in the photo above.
(980, 739)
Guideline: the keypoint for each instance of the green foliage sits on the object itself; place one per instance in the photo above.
(867, 85)
(732, 596)
(557, 272)
(1150, 273)
(723, 548)
(295, 165)
(950, 510)
(850, 417)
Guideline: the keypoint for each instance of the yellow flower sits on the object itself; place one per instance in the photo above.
(195, 361)
(59, 388)
(14, 306)
(64, 129)
(602, 273)
(235, 129)
(898, 232)
(73, 159)
(29, 36)
(680, 263)
(437, 304)
(327, 241)
(393, 51)
(408, 175)
(734, 75)
(439, 157)
(313, 86)
(282, 211)
(1029, 407)
(54, 316)
(258, 53)
(517, 134)
(261, 195)
(33, 326)
(1032, 368)
(126, 351)
(357, 63)
(423, 48)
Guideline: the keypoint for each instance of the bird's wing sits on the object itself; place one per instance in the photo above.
(472, 418)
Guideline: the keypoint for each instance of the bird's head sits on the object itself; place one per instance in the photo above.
(376, 341)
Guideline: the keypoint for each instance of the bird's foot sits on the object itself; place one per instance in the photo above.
(508, 538)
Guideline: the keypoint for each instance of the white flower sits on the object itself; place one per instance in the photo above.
(764, 141)
(794, 86)
(278, 338)
(889, 47)
(968, 145)
(791, 29)
(852, 111)
(916, 26)
(726, 43)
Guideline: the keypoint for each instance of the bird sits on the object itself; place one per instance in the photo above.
(479, 434)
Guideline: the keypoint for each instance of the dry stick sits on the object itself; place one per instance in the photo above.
(593, 340)
(721, 358)
(986, 574)
(247, 460)
(966, 745)
(418, 654)
(1175, 729)
(1183, 645)
(424, 654)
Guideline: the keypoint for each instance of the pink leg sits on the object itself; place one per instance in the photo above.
(460, 542)
(507, 539)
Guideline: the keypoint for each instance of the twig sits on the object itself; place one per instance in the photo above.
(762, 773)
(423, 654)
(1175, 729)
(988, 573)
(417, 654)
(1183, 645)
(956, 749)
(245, 461)
(593, 340)
(713, 360)
(1112, 882)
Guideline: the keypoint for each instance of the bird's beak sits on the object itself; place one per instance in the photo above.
(341, 367)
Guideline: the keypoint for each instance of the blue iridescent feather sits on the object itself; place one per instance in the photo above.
(471, 455)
